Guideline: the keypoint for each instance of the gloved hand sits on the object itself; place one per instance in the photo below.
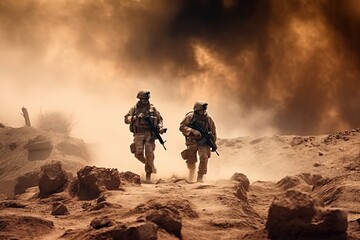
(195, 132)
(141, 115)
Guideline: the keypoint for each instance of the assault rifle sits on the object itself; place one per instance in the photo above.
(155, 130)
(206, 136)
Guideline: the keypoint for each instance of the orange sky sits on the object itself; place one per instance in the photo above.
(264, 67)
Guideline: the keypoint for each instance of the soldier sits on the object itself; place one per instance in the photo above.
(143, 136)
(194, 140)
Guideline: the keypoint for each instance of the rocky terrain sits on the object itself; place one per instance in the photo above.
(278, 187)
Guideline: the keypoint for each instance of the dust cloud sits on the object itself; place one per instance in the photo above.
(264, 67)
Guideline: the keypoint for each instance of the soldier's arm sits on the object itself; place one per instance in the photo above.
(184, 126)
(213, 129)
(159, 118)
(130, 116)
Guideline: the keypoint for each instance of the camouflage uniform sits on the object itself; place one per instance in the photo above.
(192, 140)
(143, 138)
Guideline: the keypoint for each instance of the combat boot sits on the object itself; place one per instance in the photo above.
(200, 178)
(148, 177)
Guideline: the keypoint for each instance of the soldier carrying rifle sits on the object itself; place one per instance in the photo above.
(200, 138)
(146, 124)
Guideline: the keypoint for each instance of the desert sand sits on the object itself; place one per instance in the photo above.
(325, 168)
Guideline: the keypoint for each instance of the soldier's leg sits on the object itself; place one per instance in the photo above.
(139, 147)
(149, 155)
(204, 154)
(191, 160)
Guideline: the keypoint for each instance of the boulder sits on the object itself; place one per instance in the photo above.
(94, 180)
(242, 179)
(294, 214)
(130, 177)
(240, 193)
(39, 143)
(52, 179)
(304, 182)
(166, 219)
(25, 181)
(58, 208)
(136, 231)
(330, 221)
(101, 222)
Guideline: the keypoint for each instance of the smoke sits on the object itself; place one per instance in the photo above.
(264, 67)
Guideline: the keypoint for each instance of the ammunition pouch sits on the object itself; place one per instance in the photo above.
(184, 154)
(132, 148)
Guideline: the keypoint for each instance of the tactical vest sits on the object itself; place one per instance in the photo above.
(204, 123)
(139, 125)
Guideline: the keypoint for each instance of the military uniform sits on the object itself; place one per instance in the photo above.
(193, 138)
(143, 138)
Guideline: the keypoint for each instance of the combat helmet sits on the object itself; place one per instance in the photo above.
(200, 105)
(143, 94)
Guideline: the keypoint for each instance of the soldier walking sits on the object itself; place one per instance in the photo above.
(144, 140)
(195, 141)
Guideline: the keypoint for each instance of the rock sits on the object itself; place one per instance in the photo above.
(166, 219)
(86, 205)
(39, 143)
(321, 153)
(23, 182)
(12, 204)
(181, 208)
(101, 222)
(93, 181)
(330, 221)
(58, 208)
(166, 214)
(136, 231)
(52, 179)
(101, 199)
(289, 214)
(303, 181)
(288, 182)
(296, 141)
(295, 214)
(310, 179)
(2, 125)
(242, 179)
(240, 193)
(102, 205)
(130, 177)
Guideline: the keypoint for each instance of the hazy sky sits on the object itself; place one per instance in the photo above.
(265, 67)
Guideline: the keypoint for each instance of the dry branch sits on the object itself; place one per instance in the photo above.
(26, 116)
